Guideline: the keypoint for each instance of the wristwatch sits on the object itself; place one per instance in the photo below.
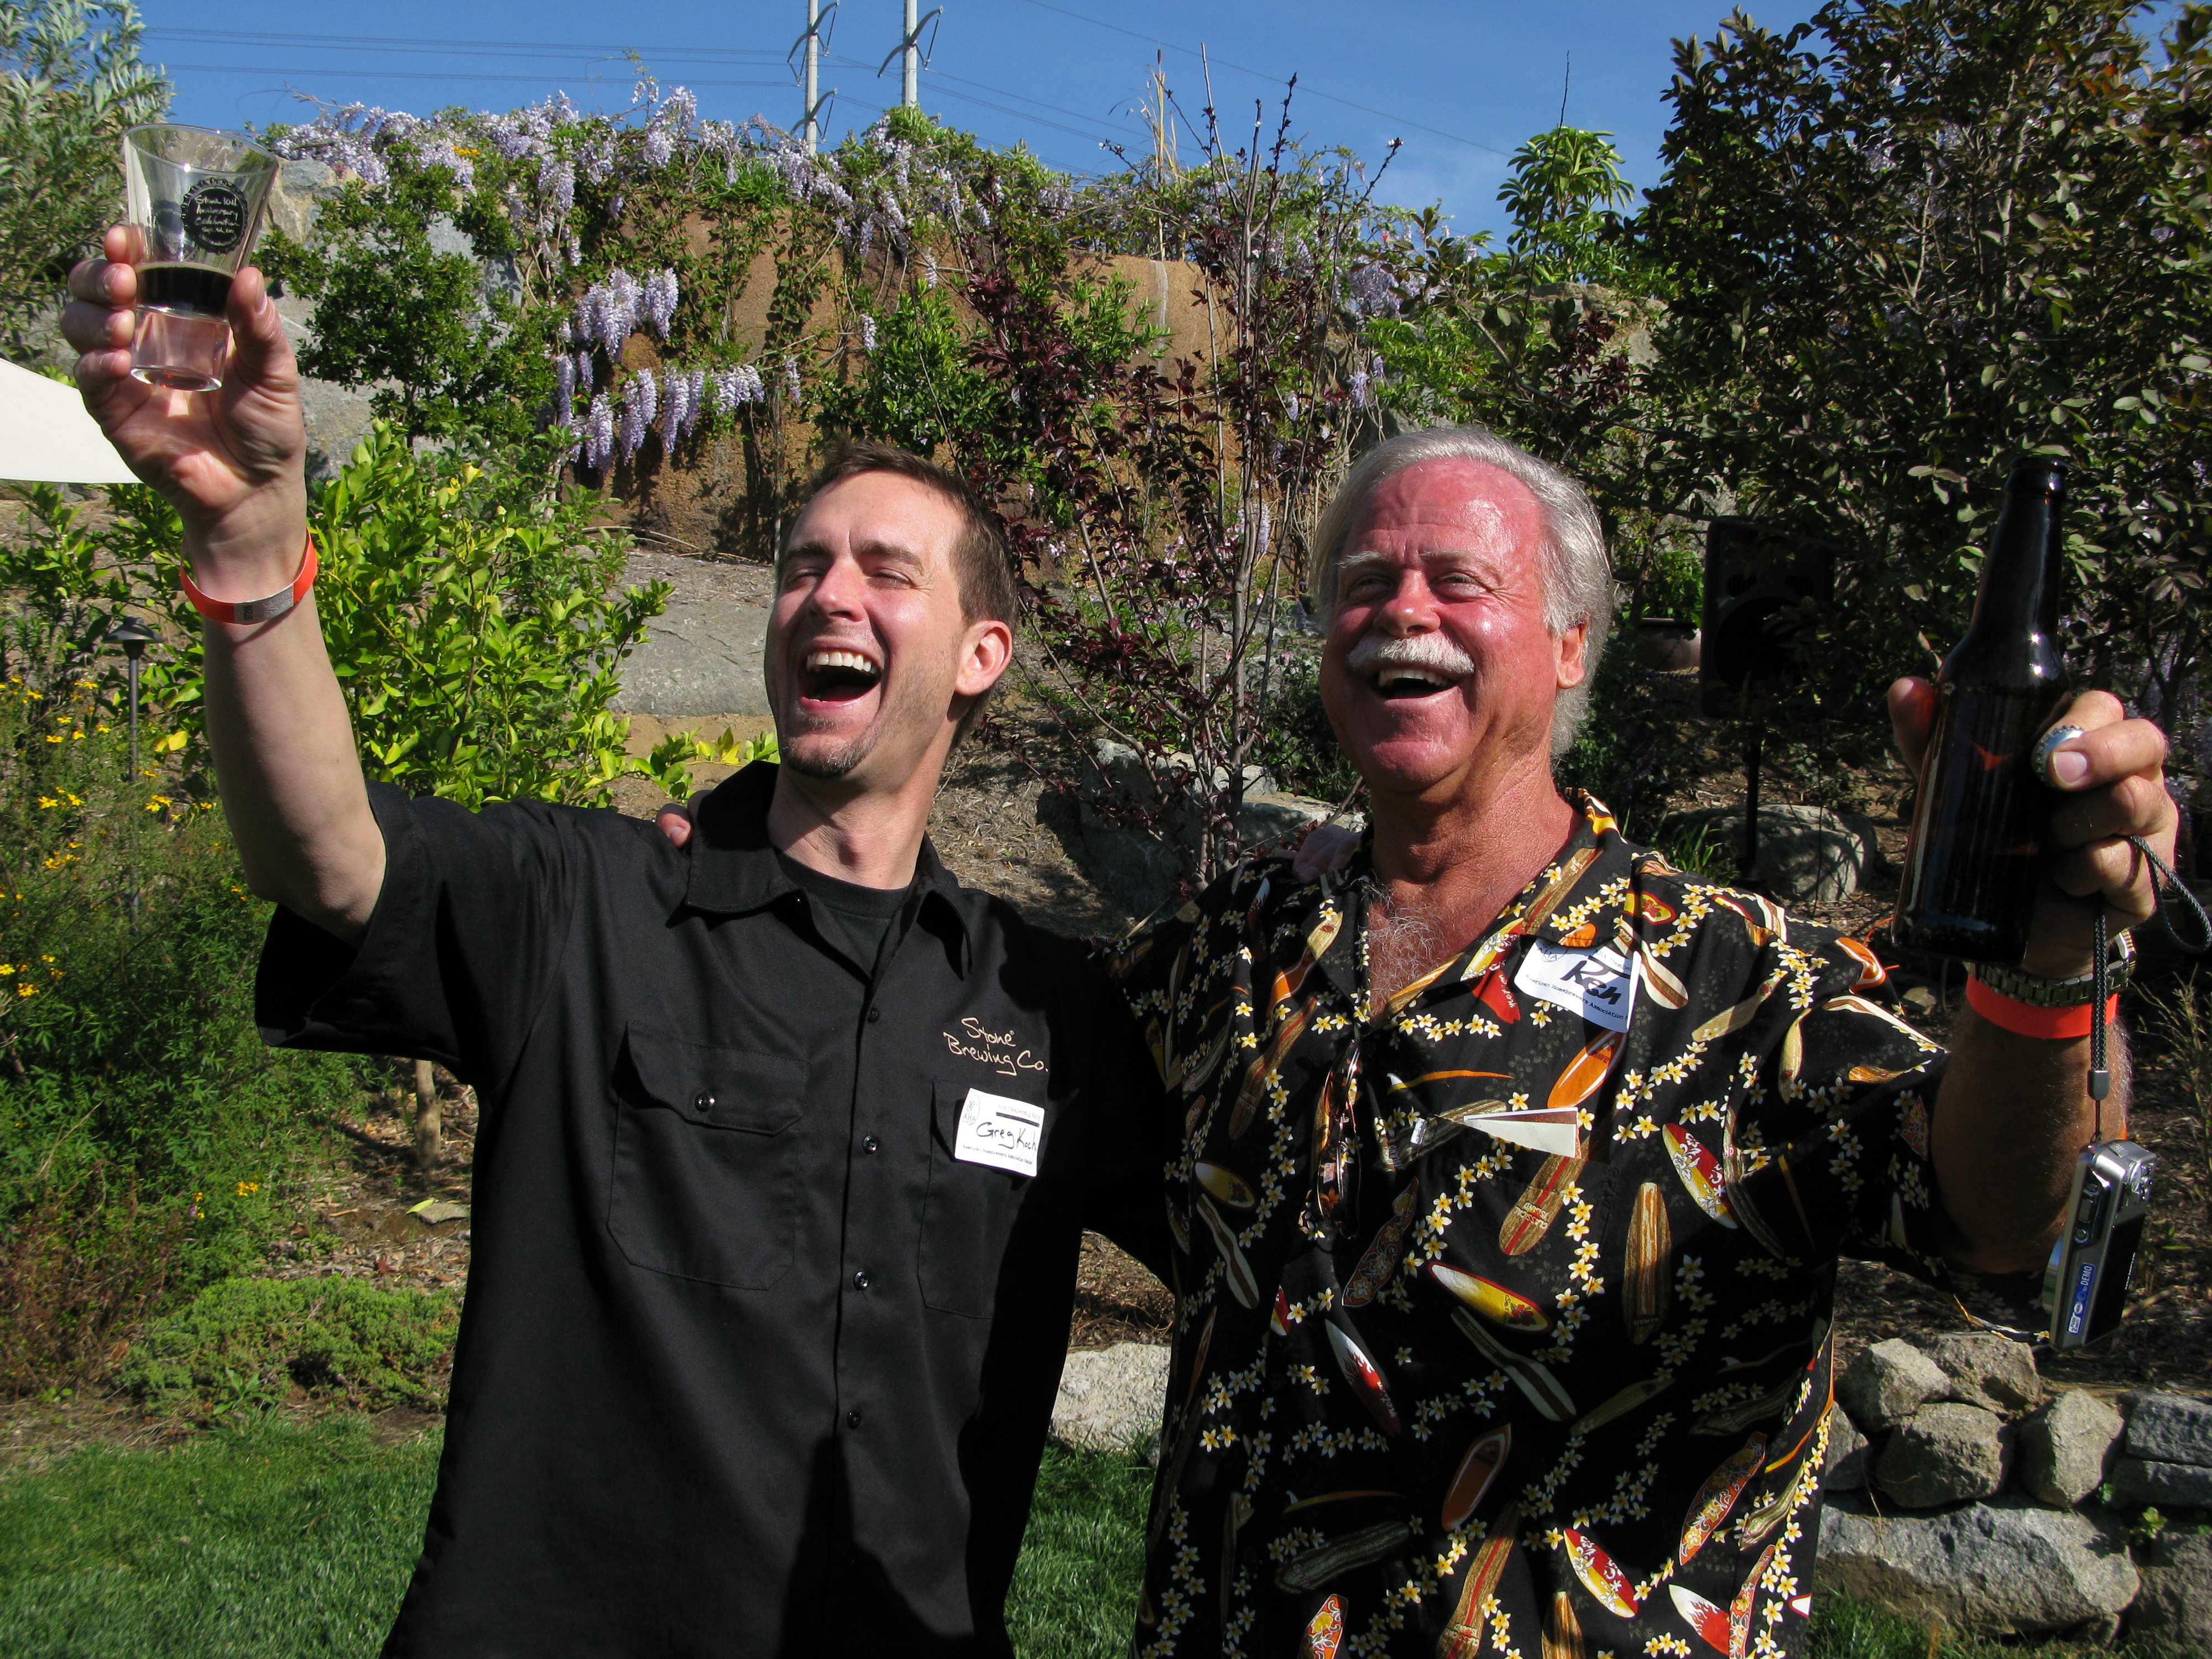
(2037, 992)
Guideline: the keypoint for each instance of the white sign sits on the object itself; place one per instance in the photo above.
(1600, 985)
(1002, 1132)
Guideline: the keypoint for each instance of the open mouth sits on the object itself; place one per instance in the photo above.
(1395, 683)
(838, 675)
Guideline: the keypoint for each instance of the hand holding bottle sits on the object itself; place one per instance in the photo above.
(2109, 784)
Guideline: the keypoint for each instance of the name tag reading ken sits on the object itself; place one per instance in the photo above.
(1600, 985)
(1002, 1132)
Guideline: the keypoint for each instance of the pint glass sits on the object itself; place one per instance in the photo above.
(195, 198)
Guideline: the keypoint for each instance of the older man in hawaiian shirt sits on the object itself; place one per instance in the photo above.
(1516, 1164)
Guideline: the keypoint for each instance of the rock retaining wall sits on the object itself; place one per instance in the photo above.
(1961, 1487)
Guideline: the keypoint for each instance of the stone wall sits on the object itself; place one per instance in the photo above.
(1962, 1488)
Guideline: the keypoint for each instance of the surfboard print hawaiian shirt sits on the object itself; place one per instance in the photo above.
(1503, 1318)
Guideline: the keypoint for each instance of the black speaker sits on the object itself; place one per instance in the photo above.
(1757, 583)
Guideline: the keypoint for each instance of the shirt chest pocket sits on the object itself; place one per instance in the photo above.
(705, 1182)
(966, 1219)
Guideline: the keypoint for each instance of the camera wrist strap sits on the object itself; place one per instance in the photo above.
(2165, 884)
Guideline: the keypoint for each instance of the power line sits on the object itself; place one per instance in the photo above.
(419, 75)
(1189, 51)
(497, 48)
(980, 86)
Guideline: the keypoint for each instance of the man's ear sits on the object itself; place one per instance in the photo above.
(986, 650)
(1573, 664)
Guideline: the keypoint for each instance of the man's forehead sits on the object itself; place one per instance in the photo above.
(882, 514)
(1450, 503)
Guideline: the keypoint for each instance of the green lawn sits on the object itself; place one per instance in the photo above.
(292, 1539)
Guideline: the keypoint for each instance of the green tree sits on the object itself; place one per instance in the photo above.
(1908, 240)
(71, 81)
(447, 352)
(1560, 193)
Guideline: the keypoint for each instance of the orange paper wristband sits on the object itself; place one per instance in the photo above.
(249, 611)
(2027, 1019)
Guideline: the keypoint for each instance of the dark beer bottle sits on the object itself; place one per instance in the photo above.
(1971, 865)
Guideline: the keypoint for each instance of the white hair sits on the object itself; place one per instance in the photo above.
(1577, 572)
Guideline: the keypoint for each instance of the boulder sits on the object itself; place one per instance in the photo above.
(2004, 1567)
(697, 657)
(1111, 1398)
(1888, 1382)
(2063, 1449)
(2151, 1480)
(2171, 1428)
(1946, 1453)
(1140, 863)
(1804, 852)
(2174, 1611)
(1986, 1370)
(1848, 1453)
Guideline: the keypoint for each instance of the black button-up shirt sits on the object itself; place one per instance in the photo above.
(751, 1362)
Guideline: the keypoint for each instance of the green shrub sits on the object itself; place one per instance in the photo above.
(244, 1343)
(470, 619)
(147, 1140)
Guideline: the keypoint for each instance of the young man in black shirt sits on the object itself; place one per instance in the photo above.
(788, 1139)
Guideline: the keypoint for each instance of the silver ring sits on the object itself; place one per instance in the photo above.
(2050, 740)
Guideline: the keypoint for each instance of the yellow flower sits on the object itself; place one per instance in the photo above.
(102, 727)
(157, 802)
(48, 801)
(7, 966)
(79, 733)
(50, 958)
(247, 1189)
(53, 736)
(27, 989)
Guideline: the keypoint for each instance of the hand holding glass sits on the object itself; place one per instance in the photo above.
(195, 197)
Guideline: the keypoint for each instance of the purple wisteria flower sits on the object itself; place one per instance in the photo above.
(791, 379)
(556, 183)
(608, 311)
(597, 155)
(657, 302)
(584, 375)
(868, 333)
(564, 390)
(736, 387)
(599, 432)
(1374, 291)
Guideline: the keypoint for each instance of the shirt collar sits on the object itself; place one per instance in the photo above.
(734, 868)
(1582, 900)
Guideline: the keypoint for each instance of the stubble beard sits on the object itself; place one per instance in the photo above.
(831, 764)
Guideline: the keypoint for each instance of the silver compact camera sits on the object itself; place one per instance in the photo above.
(2086, 1284)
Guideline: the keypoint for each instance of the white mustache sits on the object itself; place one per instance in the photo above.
(1434, 652)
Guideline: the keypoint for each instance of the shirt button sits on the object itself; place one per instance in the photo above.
(870, 1144)
(703, 1102)
(853, 1417)
(874, 1014)
(860, 1280)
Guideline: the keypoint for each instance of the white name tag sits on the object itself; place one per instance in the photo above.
(1600, 985)
(1002, 1132)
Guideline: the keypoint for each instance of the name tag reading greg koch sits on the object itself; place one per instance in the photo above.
(1003, 1133)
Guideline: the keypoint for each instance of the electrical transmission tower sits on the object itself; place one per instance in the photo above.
(812, 40)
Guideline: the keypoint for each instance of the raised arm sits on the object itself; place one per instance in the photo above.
(232, 463)
(2014, 1111)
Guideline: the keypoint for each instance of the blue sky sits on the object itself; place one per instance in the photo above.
(1462, 82)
